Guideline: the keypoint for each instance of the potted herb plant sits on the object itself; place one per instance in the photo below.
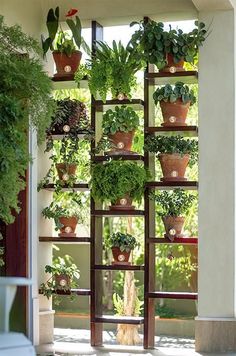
(168, 50)
(118, 182)
(174, 154)
(113, 69)
(172, 206)
(65, 210)
(64, 276)
(174, 102)
(120, 125)
(65, 47)
(121, 245)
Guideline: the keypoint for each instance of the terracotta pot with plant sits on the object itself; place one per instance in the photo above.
(119, 127)
(174, 102)
(65, 48)
(168, 50)
(113, 70)
(174, 154)
(121, 245)
(65, 210)
(64, 276)
(119, 183)
(173, 206)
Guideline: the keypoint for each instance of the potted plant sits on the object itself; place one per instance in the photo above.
(168, 50)
(174, 102)
(65, 47)
(64, 276)
(120, 125)
(172, 206)
(65, 210)
(25, 101)
(121, 245)
(118, 182)
(113, 69)
(174, 154)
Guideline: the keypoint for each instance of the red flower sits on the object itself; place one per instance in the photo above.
(71, 12)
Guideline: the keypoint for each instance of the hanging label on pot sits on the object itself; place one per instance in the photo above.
(67, 69)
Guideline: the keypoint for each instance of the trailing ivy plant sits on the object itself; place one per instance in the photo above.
(114, 179)
(124, 241)
(155, 43)
(173, 203)
(172, 144)
(113, 69)
(61, 266)
(25, 99)
(123, 119)
(172, 93)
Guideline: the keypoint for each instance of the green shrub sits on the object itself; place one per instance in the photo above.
(114, 179)
(172, 144)
(172, 93)
(173, 203)
(123, 119)
(125, 242)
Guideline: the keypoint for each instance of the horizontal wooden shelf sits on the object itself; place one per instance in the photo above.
(79, 187)
(59, 136)
(174, 130)
(191, 185)
(162, 78)
(72, 291)
(119, 267)
(131, 157)
(177, 240)
(173, 295)
(64, 240)
(68, 82)
(137, 104)
(118, 319)
(112, 213)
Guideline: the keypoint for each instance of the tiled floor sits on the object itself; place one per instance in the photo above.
(71, 342)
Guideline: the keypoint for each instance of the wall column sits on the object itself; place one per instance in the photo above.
(216, 322)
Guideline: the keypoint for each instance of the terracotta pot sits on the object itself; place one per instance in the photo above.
(124, 203)
(171, 66)
(69, 226)
(62, 281)
(66, 171)
(174, 114)
(66, 65)
(173, 166)
(120, 257)
(173, 226)
(123, 142)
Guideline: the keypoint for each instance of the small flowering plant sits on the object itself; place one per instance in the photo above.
(62, 41)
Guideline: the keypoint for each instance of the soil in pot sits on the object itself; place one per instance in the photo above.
(120, 257)
(124, 203)
(174, 114)
(171, 66)
(122, 142)
(66, 65)
(173, 166)
(173, 226)
(69, 226)
(62, 281)
(66, 171)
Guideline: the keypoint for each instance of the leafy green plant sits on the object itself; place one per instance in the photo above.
(114, 179)
(65, 204)
(118, 303)
(25, 99)
(124, 241)
(61, 266)
(113, 69)
(172, 144)
(122, 119)
(60, 40)
(173, 203)
(155, 43)
(172, 93)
